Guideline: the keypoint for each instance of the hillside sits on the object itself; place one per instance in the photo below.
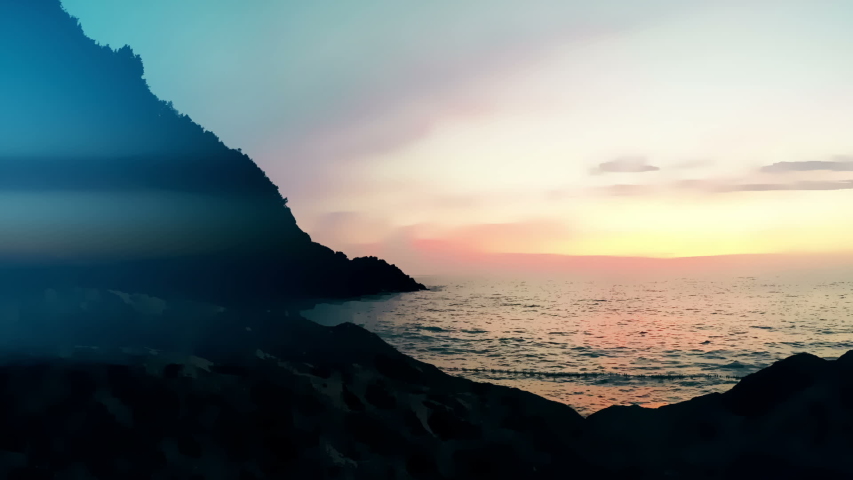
(106, 185)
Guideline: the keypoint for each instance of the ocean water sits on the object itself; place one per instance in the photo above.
(539, 335)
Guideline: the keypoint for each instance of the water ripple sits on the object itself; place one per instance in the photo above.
(692, 327)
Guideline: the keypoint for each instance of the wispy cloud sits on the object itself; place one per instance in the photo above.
(627, 164)
(804, 185)
(626, 190)
(404, 100)
(558, 194)
(533, 235)
(840, 163)
(337, 229)
(721, 186)
(617, 190)
(691, 164)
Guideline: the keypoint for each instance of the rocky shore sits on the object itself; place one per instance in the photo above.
(338, 402)
(327, 403)
(793, 419)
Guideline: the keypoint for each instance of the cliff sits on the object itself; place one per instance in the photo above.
(103, 184)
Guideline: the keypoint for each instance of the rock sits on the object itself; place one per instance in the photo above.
(288, 417)
(377, 395)
(758, 393)
(845, 361)
(339, 402)
(351, 400)
(790, 420)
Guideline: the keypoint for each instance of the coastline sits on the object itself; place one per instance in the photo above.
(339, 402)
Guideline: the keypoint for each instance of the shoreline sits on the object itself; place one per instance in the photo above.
(339, 402)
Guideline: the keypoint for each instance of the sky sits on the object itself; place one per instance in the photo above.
(478, 130)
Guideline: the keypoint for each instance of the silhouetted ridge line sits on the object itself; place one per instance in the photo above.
(79, 118)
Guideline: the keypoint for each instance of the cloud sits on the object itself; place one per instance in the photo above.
(690, 164)
(456, 201)
(404, 99)
(840, 163)
(558, 194)
(508, 237)
(721, 186)
(338, 229)
(695, 184)
(625, 190)
(617, 190)
(434, 254)
(534, 235)
(628, 164)
(804, 185)
(398, 99)
(728, 186)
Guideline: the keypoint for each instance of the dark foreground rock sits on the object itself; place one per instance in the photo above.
(160, 416)
(793, 419)
(258, 394)
(254, 394)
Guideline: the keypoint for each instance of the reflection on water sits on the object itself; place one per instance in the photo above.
(677, 326)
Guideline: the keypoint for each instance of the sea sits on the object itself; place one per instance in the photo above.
(595, 343)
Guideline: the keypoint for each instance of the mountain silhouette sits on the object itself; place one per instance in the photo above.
(103, 184)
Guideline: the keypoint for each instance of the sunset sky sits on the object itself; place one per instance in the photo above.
(655, 128)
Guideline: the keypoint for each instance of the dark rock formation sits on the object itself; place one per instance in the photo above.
(793, 419)
(139, 197)
(264, 395)
(337, 403)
